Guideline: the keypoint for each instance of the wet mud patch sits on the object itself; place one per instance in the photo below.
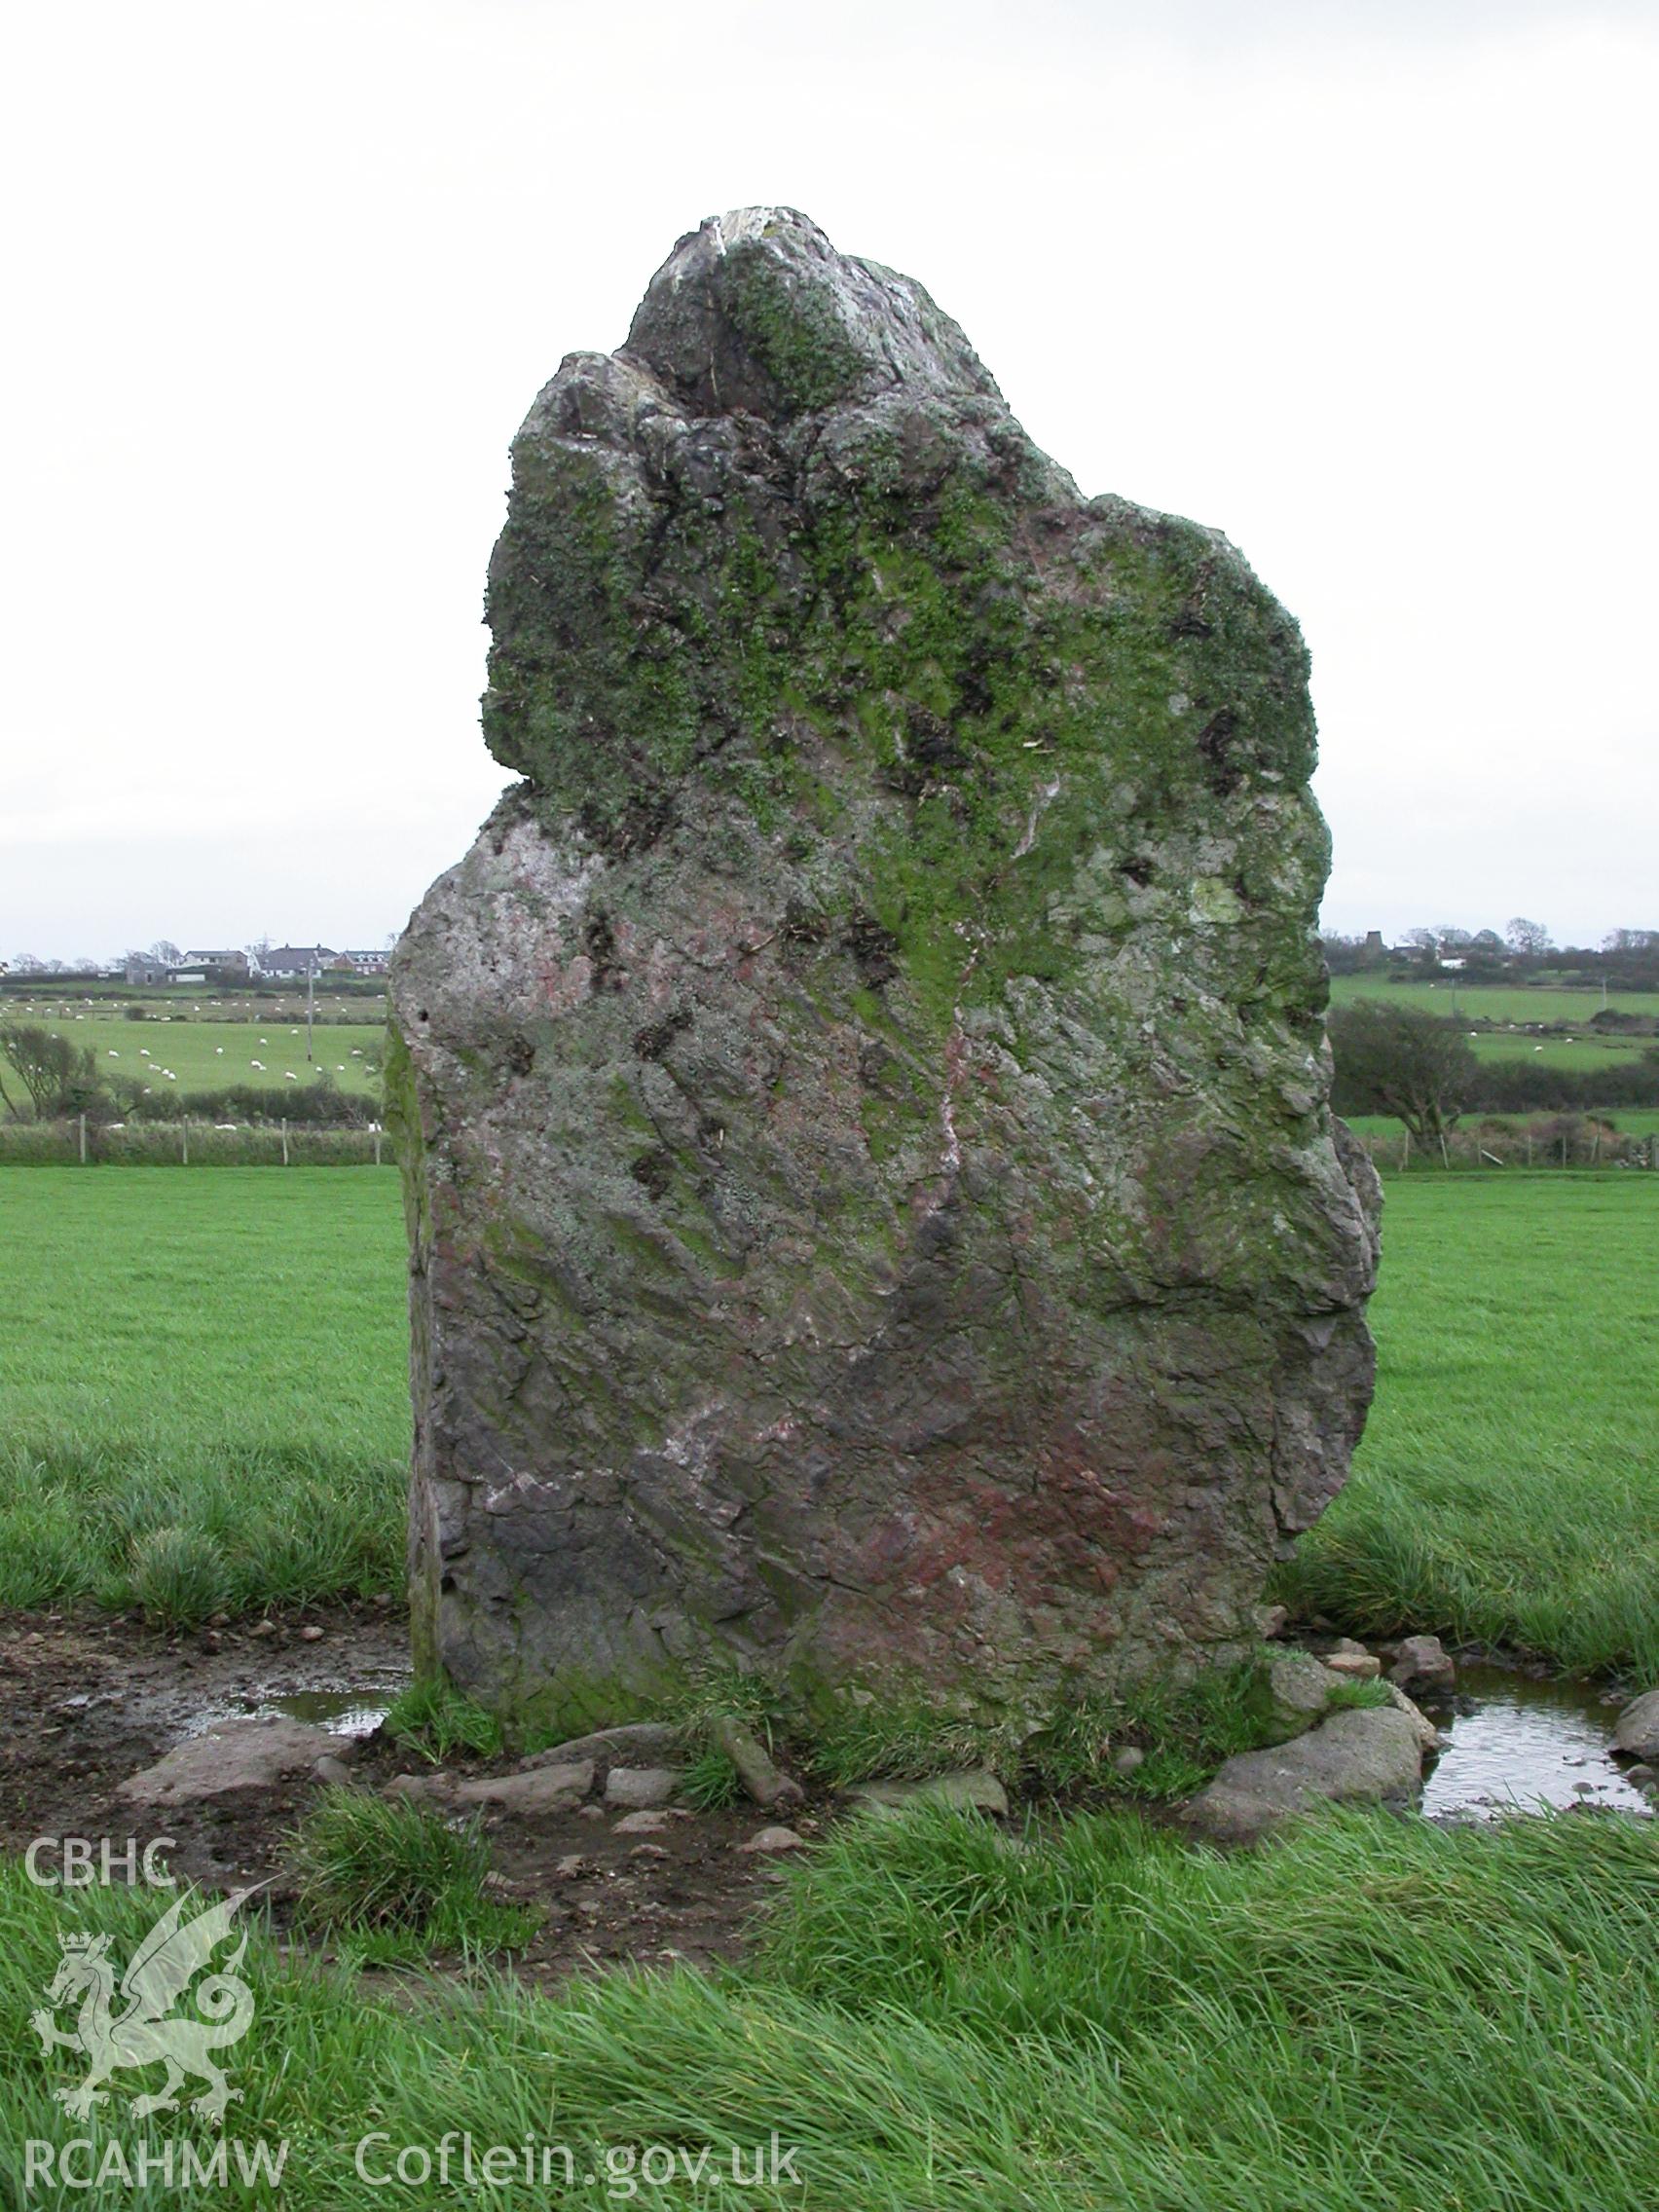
(86, 1702)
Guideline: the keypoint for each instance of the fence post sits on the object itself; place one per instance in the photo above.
(376, 1146)
(83, 1140)
(1405, 1151)
(184, 1144)
(284, 1141)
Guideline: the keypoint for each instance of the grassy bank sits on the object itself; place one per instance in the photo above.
(221, 1357)
(1373, 2017)
(1508, 1488)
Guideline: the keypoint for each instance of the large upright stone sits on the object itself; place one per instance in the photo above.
(876, 1215)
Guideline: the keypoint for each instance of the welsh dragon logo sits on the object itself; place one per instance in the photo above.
(141, 2032)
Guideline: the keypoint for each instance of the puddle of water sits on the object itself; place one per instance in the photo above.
(1527, 1743)
(343, 1712)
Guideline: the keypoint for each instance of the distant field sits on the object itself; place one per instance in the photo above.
(108, 1002)
(1577, 1052)
(1507, 1490)
(1633, 1121)
(203, 1055)
(1494, 1002)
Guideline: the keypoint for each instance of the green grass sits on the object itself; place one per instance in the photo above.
(393, 1881)
(207, 1055)
(219, 1357)
(1631, 1120)
(1374, 2015)
(1494, 1002)
(434, 1719)
(1508, 1488)
(1582, 1055)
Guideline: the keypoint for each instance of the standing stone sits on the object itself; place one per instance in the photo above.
(876, 1215)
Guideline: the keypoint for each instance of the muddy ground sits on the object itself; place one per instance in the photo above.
(86, 1701)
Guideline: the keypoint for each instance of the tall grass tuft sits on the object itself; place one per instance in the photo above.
(434, 1719)
(373, 1866)
(178, 1577)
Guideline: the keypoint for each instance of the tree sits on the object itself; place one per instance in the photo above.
(167, 953)
(1528, 937)
(1393, 1060)
(59, 1077)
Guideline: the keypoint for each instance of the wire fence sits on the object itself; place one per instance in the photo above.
(1568, 1143)
(85, 1143)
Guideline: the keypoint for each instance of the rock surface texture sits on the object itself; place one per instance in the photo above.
(876, 1216)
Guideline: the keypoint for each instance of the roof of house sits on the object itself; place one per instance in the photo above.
(300, 956)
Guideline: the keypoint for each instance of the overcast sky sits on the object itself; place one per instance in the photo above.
(1367, 285)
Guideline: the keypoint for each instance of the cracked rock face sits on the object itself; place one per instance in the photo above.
(876, 1217)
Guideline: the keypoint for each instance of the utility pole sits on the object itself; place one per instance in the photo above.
(311, 994)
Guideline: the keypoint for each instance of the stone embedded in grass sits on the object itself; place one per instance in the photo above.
(769, 1841)
(545, 1790)
(1364, 1757)
(1638, 1727)
(649, 1819)
(864, 1096)
(1424, 1666)
(639, 1787)
(256, 1753)
(761, 1777)
(979, 1792)
(1428, 1735)
(639, 1737)
(1291, 1693)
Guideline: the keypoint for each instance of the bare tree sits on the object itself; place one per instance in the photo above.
(1530, 938)
(1393, 1060)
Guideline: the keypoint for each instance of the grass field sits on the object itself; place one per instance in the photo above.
(1374, 2017)
(225, 1353)
(1508, 1488)
(222, 1354)
(1494, 1002)
(1633, 1121)
(1370, 2016)
(207, 1056)
(1583, 1054)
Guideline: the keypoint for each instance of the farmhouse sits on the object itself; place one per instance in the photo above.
(283, 963)
(152, 975)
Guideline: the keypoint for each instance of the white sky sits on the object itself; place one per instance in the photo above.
(1371, 286)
